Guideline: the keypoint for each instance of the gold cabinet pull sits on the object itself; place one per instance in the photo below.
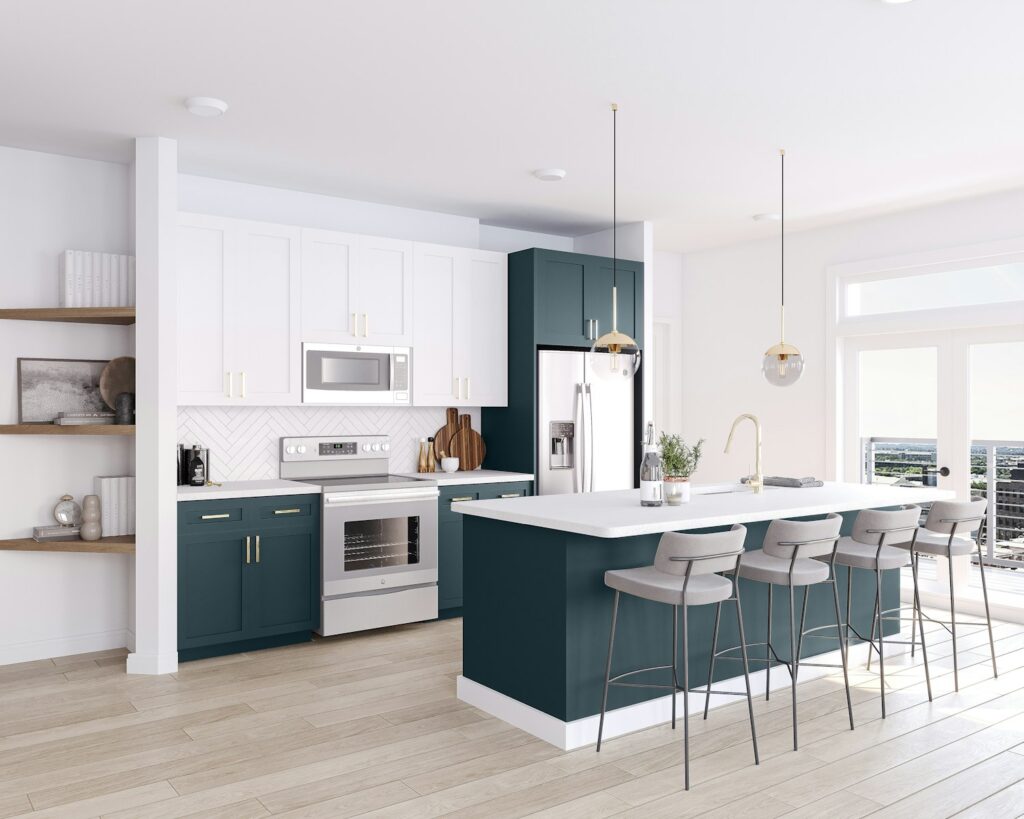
(458, 500)
(287, 511)
(511, 495)
(257, 548)
(228, 385)
(243, 384)
(220, 516)
(248, 553)
(366, 325)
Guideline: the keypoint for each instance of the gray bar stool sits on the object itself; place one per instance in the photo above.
(683, 575)
(946, 533)
(786, 559)
(866, 548)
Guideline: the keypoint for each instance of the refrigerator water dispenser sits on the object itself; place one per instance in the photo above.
(561, 454)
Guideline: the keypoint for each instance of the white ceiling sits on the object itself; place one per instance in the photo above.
(450, 104)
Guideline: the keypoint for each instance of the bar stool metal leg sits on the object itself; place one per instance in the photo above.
(843, 644)
(608, 668)
(686, 704)
(675, 660)
(767, 649)
(714, 651)
(881, 636)
(793, 655)
(746, 671)
(952, 623)
(914, 561)
(988, 616)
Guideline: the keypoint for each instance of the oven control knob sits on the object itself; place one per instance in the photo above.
(375, 447)
(301, 449)
(366, 447)
(290, 450)
(385, 447)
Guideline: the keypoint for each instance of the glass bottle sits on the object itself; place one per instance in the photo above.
(650, 472)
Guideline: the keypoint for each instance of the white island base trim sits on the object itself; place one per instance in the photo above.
(579, 733)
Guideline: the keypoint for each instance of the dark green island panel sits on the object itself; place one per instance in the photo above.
(450, 544)
(552, 296)
(248, 573)
(537, 615)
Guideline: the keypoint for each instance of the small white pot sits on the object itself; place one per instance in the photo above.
(450, 464)
(676, 490)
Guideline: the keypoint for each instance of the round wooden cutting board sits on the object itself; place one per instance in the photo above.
(467, 446)
(443, 437)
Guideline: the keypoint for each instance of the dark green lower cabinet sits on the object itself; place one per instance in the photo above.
(450, 540)
(248, 576)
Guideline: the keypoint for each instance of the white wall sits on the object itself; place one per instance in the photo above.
(509, 240)
(55, 604)
(730, 317)
(668, 311)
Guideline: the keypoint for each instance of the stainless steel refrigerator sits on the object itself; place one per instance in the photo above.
(585, 425)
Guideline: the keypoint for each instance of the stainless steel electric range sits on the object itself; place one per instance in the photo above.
(378, 532)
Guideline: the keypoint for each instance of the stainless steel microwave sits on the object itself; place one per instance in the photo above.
(355, 374)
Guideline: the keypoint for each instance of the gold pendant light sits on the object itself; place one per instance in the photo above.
(623, 353)
(783, 363)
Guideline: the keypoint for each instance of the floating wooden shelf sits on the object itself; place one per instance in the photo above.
(75, 315)
(58, 429)
(124, 544)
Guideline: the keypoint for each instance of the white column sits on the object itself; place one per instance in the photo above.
(156, 551)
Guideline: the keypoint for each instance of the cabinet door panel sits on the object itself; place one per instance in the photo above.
(597, 297)
(263, 315)
(560, 303)
(434, 326)
(485, 316)
(203, 256)
(329, 261)
(211, 596)
(383, 297)
(449, 565)
(283, 582)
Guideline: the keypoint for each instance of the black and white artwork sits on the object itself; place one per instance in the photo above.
(48, 386)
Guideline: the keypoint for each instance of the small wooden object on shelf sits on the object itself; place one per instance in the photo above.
(124, 544)
(74, 315)
(57, 429)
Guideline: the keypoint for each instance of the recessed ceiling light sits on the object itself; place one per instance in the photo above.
(767, 217)
(550, 174)
(206, 106)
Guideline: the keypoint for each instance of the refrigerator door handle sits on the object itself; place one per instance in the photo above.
(577, 419)
(589, 429)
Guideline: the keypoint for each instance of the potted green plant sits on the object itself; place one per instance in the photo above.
(678, 462)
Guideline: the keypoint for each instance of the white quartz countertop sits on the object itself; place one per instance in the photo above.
(473, 476)
(246, 489)
(619, 514)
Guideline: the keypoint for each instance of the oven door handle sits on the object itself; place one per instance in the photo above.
(392, 496)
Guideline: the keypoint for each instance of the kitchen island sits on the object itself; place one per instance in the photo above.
(537, 613)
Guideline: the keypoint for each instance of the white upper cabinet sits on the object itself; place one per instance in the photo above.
(356, 289)
(460, 346)
(238, 312)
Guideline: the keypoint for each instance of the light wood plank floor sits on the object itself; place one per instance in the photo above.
(369, 725)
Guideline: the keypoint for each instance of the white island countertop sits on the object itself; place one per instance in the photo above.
(619, 514)
(472, 476)
(246, 489)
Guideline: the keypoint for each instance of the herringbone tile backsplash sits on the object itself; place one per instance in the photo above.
(243, 441)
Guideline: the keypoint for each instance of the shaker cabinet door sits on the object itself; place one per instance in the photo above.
(433, 351)
(559, 301)
(204, 254)
(211, 590)
(283, 586)
(383, 291)
(329, 271)
(483, 321)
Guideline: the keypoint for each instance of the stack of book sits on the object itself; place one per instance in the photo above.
(73, 419)
(117, 505)
(89, 279)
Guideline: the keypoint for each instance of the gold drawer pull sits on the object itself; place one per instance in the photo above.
(459, 500)
(287, 511)
(511, 495)
(257, 548)
(221, 516)
(248, 549)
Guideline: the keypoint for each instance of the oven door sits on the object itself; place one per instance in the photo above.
(353, 374)
(380, 540)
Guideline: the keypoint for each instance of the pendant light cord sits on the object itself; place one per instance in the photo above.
(615, 188)
(782, 226)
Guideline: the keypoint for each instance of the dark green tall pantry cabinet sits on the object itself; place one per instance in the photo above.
(248, 573)
(555, 300)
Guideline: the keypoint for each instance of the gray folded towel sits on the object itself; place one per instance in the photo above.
(791, 483)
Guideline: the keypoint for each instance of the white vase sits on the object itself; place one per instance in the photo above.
(677, 490)
(91, 529)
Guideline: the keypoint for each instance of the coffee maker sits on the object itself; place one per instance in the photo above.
(185, 456)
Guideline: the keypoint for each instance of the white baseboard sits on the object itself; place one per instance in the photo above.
(582, 732)
(153, 663)
(63, 646)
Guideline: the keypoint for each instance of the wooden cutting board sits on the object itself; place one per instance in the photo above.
(443, 437)
(467, 446)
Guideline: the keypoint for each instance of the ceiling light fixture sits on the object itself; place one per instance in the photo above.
(550, 174)
(623, 353)
(783, 364)
(206, 106)
(767, 217)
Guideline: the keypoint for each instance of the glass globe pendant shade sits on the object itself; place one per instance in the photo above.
(783, 365)
(614, 357)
